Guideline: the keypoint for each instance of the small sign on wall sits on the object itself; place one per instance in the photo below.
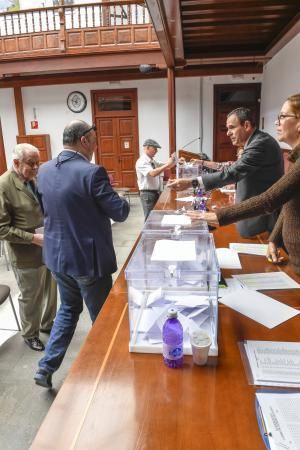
(34, 124)
(126, 144)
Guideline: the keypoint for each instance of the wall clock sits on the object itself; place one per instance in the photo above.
(76, 101)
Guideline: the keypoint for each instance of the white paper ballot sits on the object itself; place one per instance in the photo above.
(168, 250)
(259, 307)
(270, 280)
(191, 301)
(175, 219)
(249, 249)
(136, 296)
(281, 415)
(228, 258)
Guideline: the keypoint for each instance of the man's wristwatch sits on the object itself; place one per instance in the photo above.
(195, 183)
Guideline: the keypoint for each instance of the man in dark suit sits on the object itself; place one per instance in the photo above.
(78, 203)
(259, 166)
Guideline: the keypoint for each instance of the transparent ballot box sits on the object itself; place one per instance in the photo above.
(177, 270)
(173, 221)
(188, 170)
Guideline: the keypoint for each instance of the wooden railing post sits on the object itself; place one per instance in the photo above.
(62, 27)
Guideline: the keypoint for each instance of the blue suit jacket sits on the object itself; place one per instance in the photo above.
(78, 202)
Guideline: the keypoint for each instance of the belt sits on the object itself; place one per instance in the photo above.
(149, 190)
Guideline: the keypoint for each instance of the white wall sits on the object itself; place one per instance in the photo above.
(281, 79)
(53, 114)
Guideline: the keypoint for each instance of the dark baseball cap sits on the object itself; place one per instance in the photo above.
(151, 143)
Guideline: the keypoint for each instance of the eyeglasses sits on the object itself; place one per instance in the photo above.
(283, 116)
(93, 127)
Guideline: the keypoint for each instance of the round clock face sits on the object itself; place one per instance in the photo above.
(76, 101)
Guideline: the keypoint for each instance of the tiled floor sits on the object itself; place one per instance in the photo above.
(23, 405)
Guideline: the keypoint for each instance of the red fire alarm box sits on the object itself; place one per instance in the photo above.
(34, 124)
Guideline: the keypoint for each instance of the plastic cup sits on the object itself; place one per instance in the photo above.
(200, 342)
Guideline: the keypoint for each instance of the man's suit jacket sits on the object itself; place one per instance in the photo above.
(78, 202)
(259, 166)
(20, 215)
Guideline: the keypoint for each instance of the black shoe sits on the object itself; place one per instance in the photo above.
(35, 344)
(43, 378)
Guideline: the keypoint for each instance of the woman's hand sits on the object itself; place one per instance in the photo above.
(273, 254)
(209, 217)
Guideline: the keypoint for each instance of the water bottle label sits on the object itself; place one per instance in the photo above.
(172, 351)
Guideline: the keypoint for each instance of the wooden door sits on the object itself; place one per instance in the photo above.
(227, 98)
(3, 166)
(115, 114)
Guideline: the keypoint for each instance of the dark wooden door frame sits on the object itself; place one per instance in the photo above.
(237, 86)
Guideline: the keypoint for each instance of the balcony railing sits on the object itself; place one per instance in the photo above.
(95, 27)
(75, 16)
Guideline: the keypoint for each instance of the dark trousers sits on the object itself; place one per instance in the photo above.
(148, 199)
(73, 290)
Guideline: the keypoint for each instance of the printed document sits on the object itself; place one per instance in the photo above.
(274, 363)
(281, 417)
(270, 280)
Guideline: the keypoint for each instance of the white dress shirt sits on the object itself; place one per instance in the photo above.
(143, 166)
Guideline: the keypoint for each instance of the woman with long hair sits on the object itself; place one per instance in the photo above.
(284, 193)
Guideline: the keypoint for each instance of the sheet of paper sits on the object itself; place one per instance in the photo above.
(190, 198)
(270, 280)
(259, 307)
(281, 413)
(228, 258)
(155, 297)
(175, 219)
(191, 301)
(169, 250)
(274, 363)
(136, 296)
(249, 249)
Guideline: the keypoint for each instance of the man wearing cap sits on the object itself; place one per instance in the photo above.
(149, 172)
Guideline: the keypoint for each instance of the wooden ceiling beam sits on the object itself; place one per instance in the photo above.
(213, 5)
(81, 62)
(159, 20)
(284, 37)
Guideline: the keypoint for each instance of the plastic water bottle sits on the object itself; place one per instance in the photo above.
(197, 199)
(172, 335)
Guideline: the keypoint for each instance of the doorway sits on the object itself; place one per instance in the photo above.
(116, 118)
(227, 97)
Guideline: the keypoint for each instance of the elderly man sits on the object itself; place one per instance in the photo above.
(20, 216)
(78, 203)
(149, 173)
(259, 166)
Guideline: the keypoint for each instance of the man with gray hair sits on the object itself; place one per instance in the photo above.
(20, 217)
(149, 172)
(259, 166)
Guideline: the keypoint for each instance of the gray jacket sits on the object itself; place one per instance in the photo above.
(259, 166)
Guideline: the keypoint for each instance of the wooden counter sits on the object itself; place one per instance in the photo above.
(116, 400)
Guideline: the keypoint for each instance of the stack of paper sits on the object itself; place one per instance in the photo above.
(274, 363)
(278, 415)
(270, 280)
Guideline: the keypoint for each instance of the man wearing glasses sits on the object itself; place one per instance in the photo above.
(259, 166)
(78, 202)
(20, 216)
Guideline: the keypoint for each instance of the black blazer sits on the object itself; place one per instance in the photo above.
(260, 166)
(78, 202)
